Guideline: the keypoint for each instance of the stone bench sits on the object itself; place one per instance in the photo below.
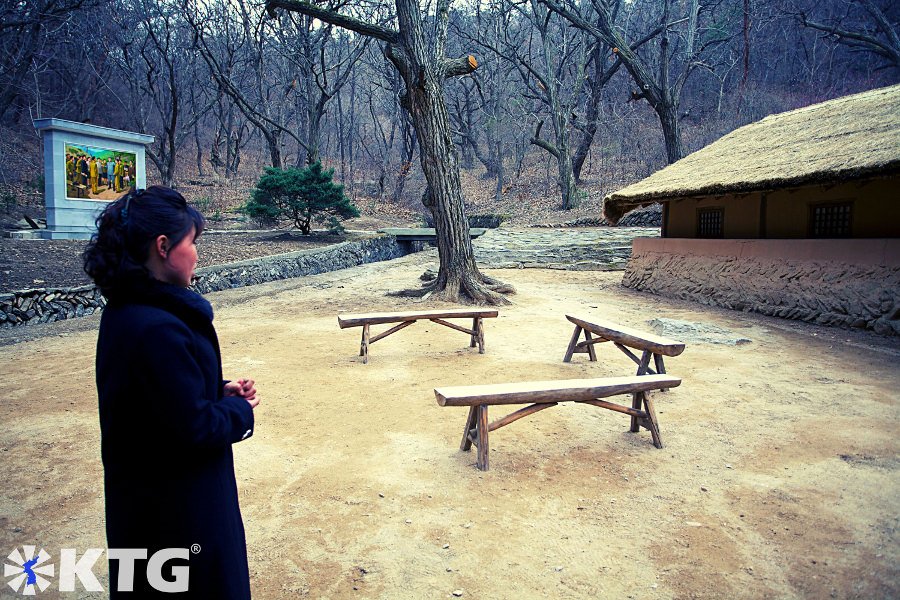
(544, 394)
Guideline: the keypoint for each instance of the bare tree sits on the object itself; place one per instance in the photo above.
(486, 102)
(868, 29)
(322, 61)
(229, 39)
(423, 67)
(550, 58)
(26, 28)
(663, 91)
(231, 134)
(599, 75)
(152, 43)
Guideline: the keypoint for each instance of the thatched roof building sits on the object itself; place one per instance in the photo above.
(849, 138)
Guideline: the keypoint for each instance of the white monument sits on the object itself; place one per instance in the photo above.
(85, 168)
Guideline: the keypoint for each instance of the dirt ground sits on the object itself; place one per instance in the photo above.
(779, 476)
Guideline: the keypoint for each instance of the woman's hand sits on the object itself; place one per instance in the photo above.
(243, 388)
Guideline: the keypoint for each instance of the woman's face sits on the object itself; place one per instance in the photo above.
(181, 260)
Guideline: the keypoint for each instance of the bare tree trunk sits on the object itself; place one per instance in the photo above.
(671, 131)
(591, 115)
(409, 151)
(199, 150)
(423, 73)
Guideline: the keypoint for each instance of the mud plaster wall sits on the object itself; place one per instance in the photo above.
(851, 283)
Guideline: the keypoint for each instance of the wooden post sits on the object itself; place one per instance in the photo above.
(473, 338)
(635, 404)
(644, 365)
(572, 343)
(483, 429)
(364, 345)
(651, 419)
(590, 347)
(660, 367)
(480, 330)
(466, 443)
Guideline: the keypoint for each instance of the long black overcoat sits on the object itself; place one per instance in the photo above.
(167, 432)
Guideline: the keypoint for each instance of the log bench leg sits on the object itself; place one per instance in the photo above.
(473, 339)
(572, 343)
(480, 330)
(364, 344)
(651, 423)
(483, 448)
(636, 405)
(477, 427)
(643, 366)
(660, 367)
(642, 400)
(591, 352)
(466, 444)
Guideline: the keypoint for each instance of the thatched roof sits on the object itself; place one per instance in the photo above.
(847, 138)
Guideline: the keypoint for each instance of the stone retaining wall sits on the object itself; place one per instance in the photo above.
(302, 262)
(43, 305)
(850, 283)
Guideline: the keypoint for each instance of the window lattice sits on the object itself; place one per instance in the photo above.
(710, 223)
(831, 220)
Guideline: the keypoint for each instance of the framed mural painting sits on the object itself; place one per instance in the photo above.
(98, 173)
(86, 167)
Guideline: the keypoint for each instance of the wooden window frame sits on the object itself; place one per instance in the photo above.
(813, 208)
(711, 209)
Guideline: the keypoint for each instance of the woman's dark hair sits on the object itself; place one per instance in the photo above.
(128, 227)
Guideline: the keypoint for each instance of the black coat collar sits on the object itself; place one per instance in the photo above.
(186, 304)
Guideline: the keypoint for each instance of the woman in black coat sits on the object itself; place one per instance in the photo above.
(167, 418)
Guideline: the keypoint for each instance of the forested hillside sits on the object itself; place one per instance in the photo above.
(568, 101)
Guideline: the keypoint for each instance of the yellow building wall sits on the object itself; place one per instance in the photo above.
(740, 220)
(876, 210)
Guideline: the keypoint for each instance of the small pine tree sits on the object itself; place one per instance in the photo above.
(299, 196)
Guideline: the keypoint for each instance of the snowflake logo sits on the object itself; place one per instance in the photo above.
(29, 569)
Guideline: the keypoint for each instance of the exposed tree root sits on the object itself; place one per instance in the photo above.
(466, 290)
(498, 286)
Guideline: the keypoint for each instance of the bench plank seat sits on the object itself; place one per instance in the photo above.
(549, 391)
(651, 345)
(405, 319)
(346, 321)
(545, 394)
(627, 336)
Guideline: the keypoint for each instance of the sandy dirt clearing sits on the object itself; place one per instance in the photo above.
(779, 476)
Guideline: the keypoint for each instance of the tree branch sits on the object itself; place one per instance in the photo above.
(844, 36)
(453, 67)
(334, 18)
(537, 141)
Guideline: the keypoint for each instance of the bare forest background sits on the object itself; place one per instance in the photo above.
(569, 100)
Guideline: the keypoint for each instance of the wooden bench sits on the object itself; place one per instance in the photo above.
(623, 338)
(476, 333)
(544, 394)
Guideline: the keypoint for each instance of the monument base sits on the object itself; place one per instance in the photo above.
(56, 234)
(24, 234)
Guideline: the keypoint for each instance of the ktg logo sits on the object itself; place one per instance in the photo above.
(30, 571)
